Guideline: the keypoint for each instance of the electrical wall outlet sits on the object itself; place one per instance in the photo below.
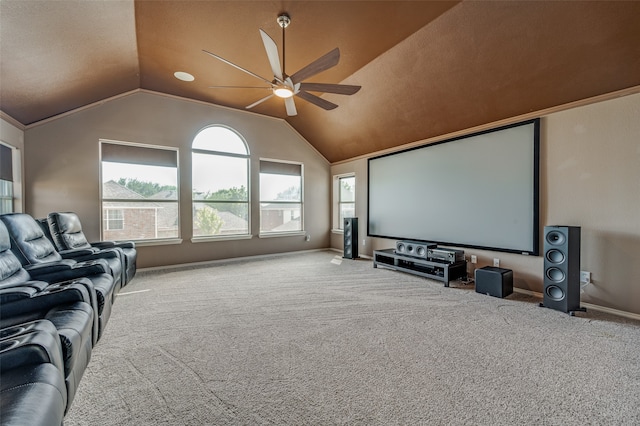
(496, 262)
(364, 242)
(585, 277)
(474, 258)
(307, 237)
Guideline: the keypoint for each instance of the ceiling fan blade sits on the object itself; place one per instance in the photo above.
(272, 53)
(340, 89)
(291, 107)
(240, 87)
(259, 101)
(323, 63)
(236, 66)
(316, 100)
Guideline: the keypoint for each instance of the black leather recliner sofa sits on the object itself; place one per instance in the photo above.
(32, 389)
(66, 232)
(13, 275)
(62, 306)
(114, 257)
(40, 259)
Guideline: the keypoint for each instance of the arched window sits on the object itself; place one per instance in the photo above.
(220, 183)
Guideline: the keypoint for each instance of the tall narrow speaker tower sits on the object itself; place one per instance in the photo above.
(562, 268)
(350, 237)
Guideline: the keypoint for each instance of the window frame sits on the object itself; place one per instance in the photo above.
(141, 241)
(301, 231)
(338, 226)
(7, 178)
(213, 152)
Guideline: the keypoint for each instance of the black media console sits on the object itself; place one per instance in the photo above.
(441, 271)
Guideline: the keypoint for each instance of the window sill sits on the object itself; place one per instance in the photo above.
(163, 242)
(211, 238)
(283, 234)
(337, 231)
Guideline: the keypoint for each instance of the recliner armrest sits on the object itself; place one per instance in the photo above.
(109, 244)
(49, 267)
(67, 269)
(22, 304)
(30, 343)
(78, 253)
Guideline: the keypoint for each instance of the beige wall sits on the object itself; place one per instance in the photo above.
(590, 177)
(62, 169)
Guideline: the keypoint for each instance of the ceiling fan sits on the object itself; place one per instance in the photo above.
(287, 86)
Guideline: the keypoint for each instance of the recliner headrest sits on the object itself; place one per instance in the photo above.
(5, 241)
(28, 241)
(66, 231)
(67, 223)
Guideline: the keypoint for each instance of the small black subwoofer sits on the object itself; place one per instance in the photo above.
(562, 268)
(496, 282)
(350, 238)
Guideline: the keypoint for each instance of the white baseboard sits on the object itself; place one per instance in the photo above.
(598, 308)
(228, 260)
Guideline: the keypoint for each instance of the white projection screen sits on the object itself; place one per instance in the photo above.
(477, 191)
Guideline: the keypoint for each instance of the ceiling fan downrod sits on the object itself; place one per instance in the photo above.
(283, 20)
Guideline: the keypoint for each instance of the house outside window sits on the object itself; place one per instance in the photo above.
(346, 198)
(139, 192)
(113, 219)
(280, 197)
(220, 184)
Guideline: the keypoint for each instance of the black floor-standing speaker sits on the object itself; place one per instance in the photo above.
(350, 238)
(562, 268)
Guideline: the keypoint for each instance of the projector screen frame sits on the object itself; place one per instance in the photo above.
(534, 250)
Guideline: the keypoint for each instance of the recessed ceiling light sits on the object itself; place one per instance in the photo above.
(184, 76)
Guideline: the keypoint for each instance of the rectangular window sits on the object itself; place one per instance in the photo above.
(113, 219)
(280, 197)
(220, 196)
(346, 198)
(6, 179)
(139, 192)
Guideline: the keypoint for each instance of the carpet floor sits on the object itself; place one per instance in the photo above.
(314, 339)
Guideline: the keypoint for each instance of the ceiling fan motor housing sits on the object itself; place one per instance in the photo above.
(284, 20)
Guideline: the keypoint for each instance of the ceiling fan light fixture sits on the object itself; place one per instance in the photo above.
(283, 92)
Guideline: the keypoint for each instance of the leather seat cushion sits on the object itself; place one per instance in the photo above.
(33, 395)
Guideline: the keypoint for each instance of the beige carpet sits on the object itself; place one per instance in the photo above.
(312, 339)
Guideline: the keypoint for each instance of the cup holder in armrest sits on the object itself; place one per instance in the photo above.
(18, 330)
(8, 332)
(8, 344)
(32, 347)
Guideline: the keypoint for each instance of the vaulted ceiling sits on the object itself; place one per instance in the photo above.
(426, 68)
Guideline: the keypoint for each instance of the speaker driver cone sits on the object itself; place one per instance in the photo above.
(555, 274)
(555, 238)
(555, 256)
(554, 293)
(421, 251)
